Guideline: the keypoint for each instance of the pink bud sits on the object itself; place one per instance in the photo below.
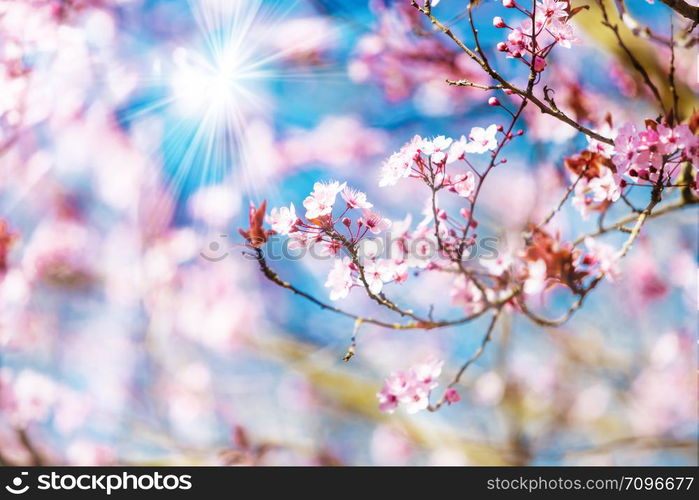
(509, 91)
(539, 64)
(623, 183)
(504, 160)
(346, 221)
(633, 172)
(502, 46)
(451, 396)
(510, 4)
(520, 132)
(500, 128)
(493, 101)
(499, 22)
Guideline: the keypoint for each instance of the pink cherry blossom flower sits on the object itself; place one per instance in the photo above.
(398, 166)
(425, 374)
(355, 198)
(606, 186)
(395, 168)
(376, 273)
(374, 222)
(416, 400)
(411, 389)
(395, 270)
(457, 150)
(388, 401)
(320, 202)
(437, 148)
(466, 294)
(606, 150)
(283, 219)
(482, 140)
(672, 139)
(340, 279)
(552, 9)
(563, 33)
(396, 388)
(517, 43)
(465, 184)
(604, 257)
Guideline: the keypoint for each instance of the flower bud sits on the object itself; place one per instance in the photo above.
(509, 4)
(493, 101)
(539, 64)
(502, 46)
(499, 22)
(346, 221)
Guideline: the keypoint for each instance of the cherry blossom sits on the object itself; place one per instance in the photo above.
(340, 279)
(355, 199)
(412, 388)
(466, 294)
(602, 256)
(376, 273)
(437, 148)
(464, 184)
(283, 220)
(482, 140)
(374, 222)
(320, 202)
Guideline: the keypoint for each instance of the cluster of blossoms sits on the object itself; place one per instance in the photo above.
(417, 157)
(650, 156)
(597, 184)
(407, 66)
(412, 388)
(655, 153)
(532, 44)
(332, 233)
(426, 159)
